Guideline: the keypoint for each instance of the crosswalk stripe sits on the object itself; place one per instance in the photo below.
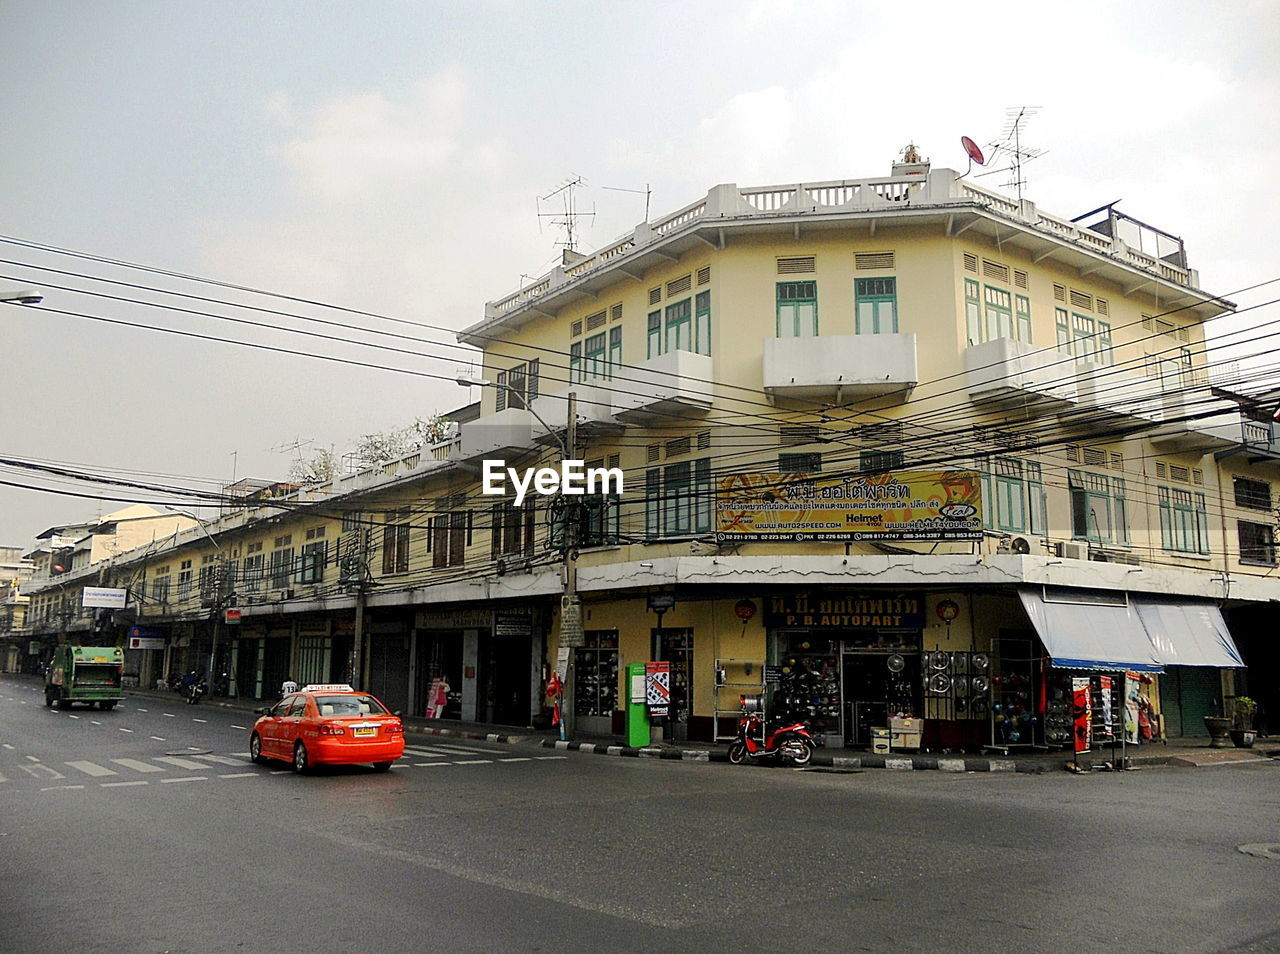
(186, 778)
(424, 753)
(221, 759)
(450, 747)
(124, 784)
(474, 762)
(520, 759)
(92, 768)
(240, 775)
(138, 766)
(180, 763)
(548, 758)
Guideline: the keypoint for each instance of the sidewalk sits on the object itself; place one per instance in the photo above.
(1189, 753)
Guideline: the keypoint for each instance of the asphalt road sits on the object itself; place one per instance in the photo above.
(147, 829)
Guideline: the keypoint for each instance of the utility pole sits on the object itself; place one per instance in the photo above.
(570, 609)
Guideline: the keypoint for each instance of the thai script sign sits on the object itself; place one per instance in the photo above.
(843, 612)
(909, 505)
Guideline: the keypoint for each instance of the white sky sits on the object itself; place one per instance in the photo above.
(387, 155)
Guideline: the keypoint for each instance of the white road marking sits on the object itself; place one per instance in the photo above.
(241, 727)
(142, 710)
(548, 758)
(220, 759)
(126, 730)
(170, 715)
(450, 747)
(240, 775)
(431, 764)
(72, 717)
(91, 768)
(3, 779)
(94, 722)
(121, 784)
(186, 778)
(8, 746)
(199, 720)
(157, 738)
(180, 763)
(521, 759)
(281, 772)
(55, 788)
(424, 754)
(474, 762)
(138, 766)
(32, 758)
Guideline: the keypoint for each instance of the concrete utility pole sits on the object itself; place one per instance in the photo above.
(571, 636)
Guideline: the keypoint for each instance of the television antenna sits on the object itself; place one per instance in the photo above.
(567, 217)
(1010, 144)
(646, 192)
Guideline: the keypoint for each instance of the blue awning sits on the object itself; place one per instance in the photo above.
(1090, 630)
(1189, 634)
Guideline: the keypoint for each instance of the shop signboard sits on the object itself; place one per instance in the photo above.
(903, 505)
(512, 624)
(657, 688)
(142, 642)
(103, 597)
(571, 621)
(836, 611)
(453, 619)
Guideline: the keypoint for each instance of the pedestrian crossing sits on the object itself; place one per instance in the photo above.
(122, 772)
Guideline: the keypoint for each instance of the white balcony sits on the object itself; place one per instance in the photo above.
(840, 368)
(1009, 374)
(594, 412)
(1115, 397)
(677, 383)
(497, 435)
(1215, 423)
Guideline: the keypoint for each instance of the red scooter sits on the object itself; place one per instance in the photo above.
(756, 740)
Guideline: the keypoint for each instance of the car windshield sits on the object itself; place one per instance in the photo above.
(349, 706)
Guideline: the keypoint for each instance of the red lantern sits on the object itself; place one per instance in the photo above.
(948, 610)
(744, 609)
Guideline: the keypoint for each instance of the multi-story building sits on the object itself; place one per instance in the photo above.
(895, 445)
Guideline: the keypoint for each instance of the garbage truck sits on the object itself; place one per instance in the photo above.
(88, 674)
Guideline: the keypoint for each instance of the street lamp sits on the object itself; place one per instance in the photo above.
(570, 635)
(22, 296)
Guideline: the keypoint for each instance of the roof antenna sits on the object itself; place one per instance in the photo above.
(567, 217)
(646, 192)
(1016, 119)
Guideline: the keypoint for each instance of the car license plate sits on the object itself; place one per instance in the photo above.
(365, 732)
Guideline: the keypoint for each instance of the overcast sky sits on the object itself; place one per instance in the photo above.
(386, 156)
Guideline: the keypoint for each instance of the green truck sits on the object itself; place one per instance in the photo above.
(86, 674)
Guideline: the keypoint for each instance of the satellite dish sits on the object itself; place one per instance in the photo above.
(1020, 545)
(972, 150)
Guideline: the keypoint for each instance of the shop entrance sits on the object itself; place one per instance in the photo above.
(676, 647)
(507, 661)
(439, 656)
(877, 686)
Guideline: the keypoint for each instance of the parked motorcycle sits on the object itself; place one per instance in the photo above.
(756, 739)
(192, 687)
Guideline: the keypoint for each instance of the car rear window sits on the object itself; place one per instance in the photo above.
(349, 706)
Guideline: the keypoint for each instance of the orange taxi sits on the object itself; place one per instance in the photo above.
(327, 725)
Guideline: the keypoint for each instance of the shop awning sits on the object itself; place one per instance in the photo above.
(1188, 634)
(1090, 630)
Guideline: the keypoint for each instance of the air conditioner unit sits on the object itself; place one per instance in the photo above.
(1070, 550)
(286, 594)
(1115, 556)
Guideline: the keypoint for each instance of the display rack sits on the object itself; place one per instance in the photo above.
(1013, 680)
(735, 678)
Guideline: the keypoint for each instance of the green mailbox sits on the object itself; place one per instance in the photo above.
(637, 710)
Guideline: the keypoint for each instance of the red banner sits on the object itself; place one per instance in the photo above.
(1082, 712)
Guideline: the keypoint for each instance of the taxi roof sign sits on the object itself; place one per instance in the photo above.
(327, 687)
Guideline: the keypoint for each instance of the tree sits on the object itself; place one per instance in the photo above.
(382, 446)
(316, 469)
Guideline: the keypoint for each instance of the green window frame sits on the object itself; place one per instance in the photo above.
(595, 364)
(1037, 500)
(797, 309)
(702, 323)
(1103, 349)
(615, 350)
(1121, 501)
(1083, 340)
(1062, 324)
(1022, 317)
(973, 311)
(1184, 521)
(680, 326)
(1092, 514)
(679, 499)
(575, 363)
(998, 309)
(653, 336)
(876, 306)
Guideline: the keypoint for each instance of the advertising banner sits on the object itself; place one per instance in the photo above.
(657, 688)
(907, 505)
(1082, 712)
(103, 597)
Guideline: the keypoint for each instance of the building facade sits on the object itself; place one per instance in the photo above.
(892, 446)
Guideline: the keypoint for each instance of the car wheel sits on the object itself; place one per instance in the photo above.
(106, 706)
(300, 761)
(381, 766)
(60, 703)
(255, 750)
